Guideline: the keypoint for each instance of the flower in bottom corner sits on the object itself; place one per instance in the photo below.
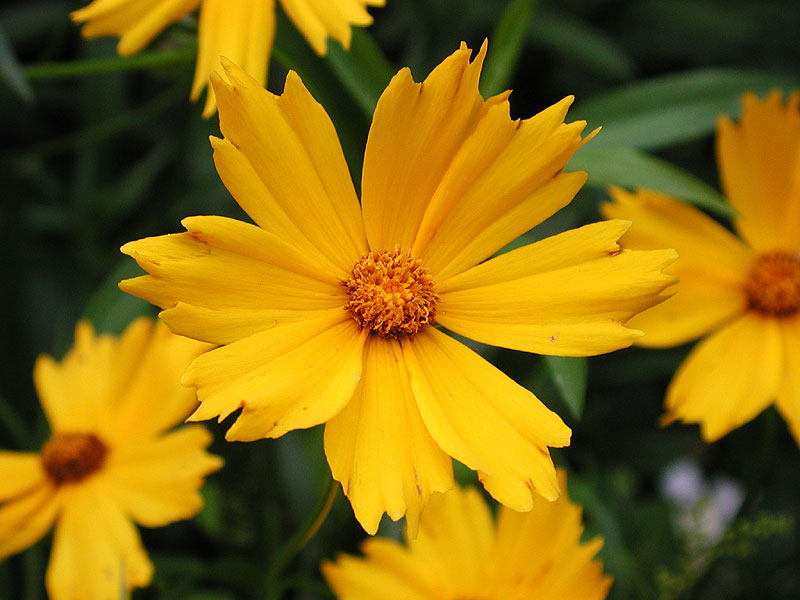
(328, 309)
(240, 30)
(462, 554)
(742, 293)
(110, 461)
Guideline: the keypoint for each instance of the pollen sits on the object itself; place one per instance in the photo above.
(391, 294)
(71, 457)
(774, 284)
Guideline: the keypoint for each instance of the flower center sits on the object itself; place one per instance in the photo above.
(71, 457)
(391, 294)
(774, 284)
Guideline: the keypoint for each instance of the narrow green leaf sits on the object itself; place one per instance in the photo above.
(673, 109)
(633, 168)
(569, 374)
(506, 45)
(364, 71)
(111, 64)
(580, 42)
(12, 72)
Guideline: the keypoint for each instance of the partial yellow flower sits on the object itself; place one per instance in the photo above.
(240, 30)
(744, 292)
(461, 553)
(109, 460)
(326, 308)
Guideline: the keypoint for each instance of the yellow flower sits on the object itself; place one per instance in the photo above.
(461, 554)
(744, 292)
(108, 461)
(325, 310)
(240, 30)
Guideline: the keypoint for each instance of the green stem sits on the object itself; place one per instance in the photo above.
(110, 64)
(303, 535)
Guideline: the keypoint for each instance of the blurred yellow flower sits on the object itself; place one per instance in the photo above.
(325, 310)
(460, 553)
(108, 461)
(744, 292)
(240, 30)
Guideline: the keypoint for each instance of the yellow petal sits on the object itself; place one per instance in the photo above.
(239, 30)
(353, 578)
(319, 19)
(191, 269)
(712, 266)
(158, 481)
(77, 394)
(96, 549)
(292, 376)
(20, 473)
(574, 310)
(292, 146)
(378, 447)
(150, 399)
(136, 21)
(788, 401)
(730, 377)
(255, 199)
(417, 130)
(26, 519)
(505, 179)
(523, 566)
(482, 418)
(759, 164)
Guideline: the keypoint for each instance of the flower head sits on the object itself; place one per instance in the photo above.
(743, 291)
(108, 461)
(461, 553)
(327, 310)
(241, 30)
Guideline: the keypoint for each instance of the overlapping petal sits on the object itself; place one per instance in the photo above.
(292, 376)
(713, 266)
(158, 481)
(566, 296)
(482, 418)
(459, 553)
(136, 22)
(417, 130)
(788, 400)
(378, 446)
(20, 473)
(759, 162)
(318, 20)
(239, 30)
(729, 377)
(95, 549)
(292, 146)
(25, 519)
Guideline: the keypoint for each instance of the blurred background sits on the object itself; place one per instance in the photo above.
(96, 151)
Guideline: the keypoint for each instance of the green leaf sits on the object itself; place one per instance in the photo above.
(673, 109)
(506, 46)
(364, 71)
(12, 72)
(580, 42)
(569, 374)
(633, 168)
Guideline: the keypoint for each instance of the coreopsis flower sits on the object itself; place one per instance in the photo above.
(327, 310)
(109, 461)
(240, 30)
(461, 553)
(742, 291)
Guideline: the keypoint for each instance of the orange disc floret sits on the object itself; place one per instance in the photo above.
(773, 287)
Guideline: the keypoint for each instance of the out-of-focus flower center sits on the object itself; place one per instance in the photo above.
(71, 457)
(774, 284)
(391, 294)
